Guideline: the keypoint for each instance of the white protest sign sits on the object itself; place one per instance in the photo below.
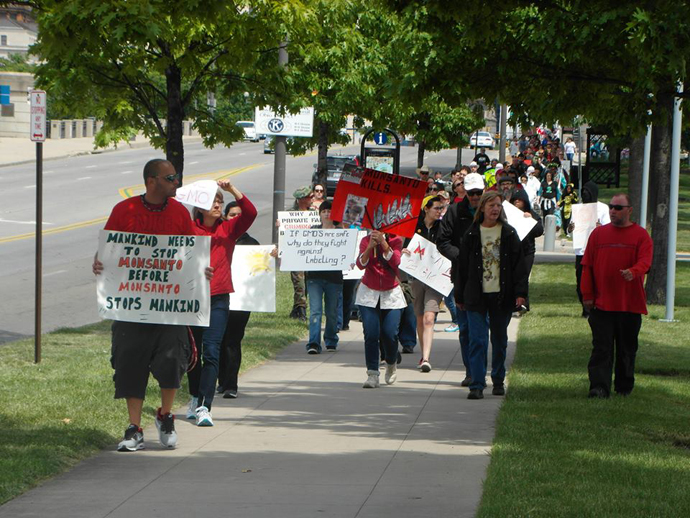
(585, 220)
(254, 279)
(154, 279)
(300, 124)
(318, 249)
(517, 220)
(426, 264)
(198, 194)
(354, 273)
(294, 219)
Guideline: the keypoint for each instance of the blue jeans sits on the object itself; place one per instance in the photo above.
(318, 290)
(380, 324)
(212, 338)
(407, 333)
(450, 304)
(479, 342)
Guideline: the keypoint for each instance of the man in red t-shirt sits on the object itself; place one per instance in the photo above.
(617, 257)
(140, 349)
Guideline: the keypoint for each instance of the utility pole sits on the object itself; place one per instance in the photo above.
(502, 140)
(279, 164)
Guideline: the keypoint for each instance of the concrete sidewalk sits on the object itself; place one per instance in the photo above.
(21, 150)
(304, 439)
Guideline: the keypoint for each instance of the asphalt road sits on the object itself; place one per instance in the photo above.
(78, 194)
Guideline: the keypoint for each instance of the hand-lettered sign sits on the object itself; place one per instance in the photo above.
(318, 249)
(154, 279)
(293, 219)
(379, 201)
(198, 194)
(426, 264)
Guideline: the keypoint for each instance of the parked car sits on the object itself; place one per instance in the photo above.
(482, 139)
(249, 130)
(335, 165)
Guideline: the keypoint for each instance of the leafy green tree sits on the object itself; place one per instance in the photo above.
(608, 61)
(148, 65)
(16, 63)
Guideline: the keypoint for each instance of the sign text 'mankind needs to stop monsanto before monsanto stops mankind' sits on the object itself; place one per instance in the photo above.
(151, 274)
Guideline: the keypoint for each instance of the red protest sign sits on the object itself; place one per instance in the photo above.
(379, 201)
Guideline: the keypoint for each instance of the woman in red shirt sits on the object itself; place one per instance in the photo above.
(381, 301)
(224, 234)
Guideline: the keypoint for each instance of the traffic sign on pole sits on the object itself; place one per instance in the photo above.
(38, 115)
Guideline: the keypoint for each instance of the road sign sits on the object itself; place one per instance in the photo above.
(300, 124)
(38, 115)
(4, 94)
(380, 138)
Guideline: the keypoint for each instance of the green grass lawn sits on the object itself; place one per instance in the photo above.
(62, 410)
(557, 453)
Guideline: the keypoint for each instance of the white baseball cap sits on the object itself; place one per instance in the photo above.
(530, 169)
(474, 181)
(473, 164)
(499, 166)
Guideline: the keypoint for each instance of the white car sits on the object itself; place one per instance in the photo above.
(249, 130)
(482, 139)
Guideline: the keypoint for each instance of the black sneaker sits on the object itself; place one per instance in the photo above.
(498, 390)
(466, 382)
(230, 394)
(331, 347)
(476, 394)
(408, 350)
(312, 349)
(598, 393)
(134, 439)
(301, 314)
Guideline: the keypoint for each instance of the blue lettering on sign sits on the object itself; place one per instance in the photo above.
(276, 125)
(380, 138)
(4, 94)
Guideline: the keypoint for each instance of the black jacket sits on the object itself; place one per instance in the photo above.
(430, 234)
(454, 224)
(528, 247)
(513, 274)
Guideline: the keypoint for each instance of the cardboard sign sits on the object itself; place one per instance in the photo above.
(254, 279)
(319, 249)
(294, 219)
(353, 273)
(517, 220)
(379, 201)
(198, 194)
(154, 279)
(585, 219)
(426, 264)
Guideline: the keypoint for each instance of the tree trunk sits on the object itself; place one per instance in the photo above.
(421, 148)
(635, 175)
(174, 147)
(659, 193)
(458, 160)
(322, 162)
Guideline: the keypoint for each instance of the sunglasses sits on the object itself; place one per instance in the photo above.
(618, 207)
(473, 192)
(171, 177)
(458, 185)
(318, 190)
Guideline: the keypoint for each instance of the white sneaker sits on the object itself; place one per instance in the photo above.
(372, 380)
(391, 373)
(166, 429)
(425, 366)
(203, 417)
(191, 408)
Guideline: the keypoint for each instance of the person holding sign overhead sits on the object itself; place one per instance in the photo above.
(381, 301)
(139, 348)
(426, 299)
(492, 281)
(224, 235)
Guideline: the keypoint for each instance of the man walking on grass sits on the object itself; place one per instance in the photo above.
(139, 349)
(617, 257)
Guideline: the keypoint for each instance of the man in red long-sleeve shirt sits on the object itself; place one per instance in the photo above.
(617, 257)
